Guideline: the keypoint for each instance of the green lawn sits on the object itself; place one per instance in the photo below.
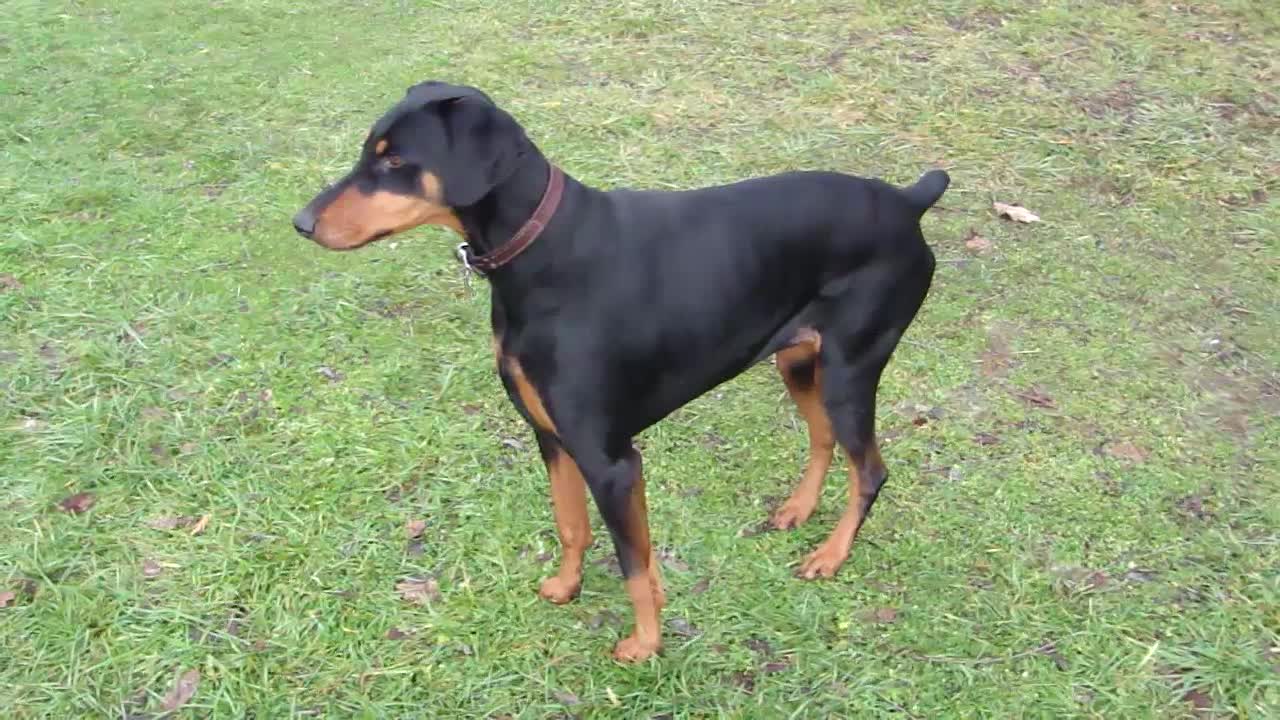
(1082, 518)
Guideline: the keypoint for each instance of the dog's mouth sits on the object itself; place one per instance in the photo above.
(347, 247)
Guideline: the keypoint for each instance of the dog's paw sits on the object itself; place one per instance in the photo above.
(558, 590)
(633, 649)
(790, 516)
(824, 562)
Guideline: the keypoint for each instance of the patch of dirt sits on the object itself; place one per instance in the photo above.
(1195, 507)
(1233, 385)
(1116, 192)
(976, 21)
(78, 503)
(1256, 197)
(997, 358)
(1119, 100)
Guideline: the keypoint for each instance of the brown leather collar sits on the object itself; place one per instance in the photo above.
(524, 237)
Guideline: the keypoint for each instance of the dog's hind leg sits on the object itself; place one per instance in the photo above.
(864, 329)
(802, 373)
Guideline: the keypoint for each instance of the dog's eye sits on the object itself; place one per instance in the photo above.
(394, 161)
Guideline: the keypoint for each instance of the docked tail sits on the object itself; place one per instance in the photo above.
(927, 190)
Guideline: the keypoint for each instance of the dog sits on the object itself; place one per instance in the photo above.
(610, 310)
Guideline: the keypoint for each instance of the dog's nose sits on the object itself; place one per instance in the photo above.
(304, 222)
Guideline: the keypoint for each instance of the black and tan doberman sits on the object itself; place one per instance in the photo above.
(612, 309)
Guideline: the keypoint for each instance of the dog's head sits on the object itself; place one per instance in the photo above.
(441, 148)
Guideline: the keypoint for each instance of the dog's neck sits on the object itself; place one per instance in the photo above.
(500, 214)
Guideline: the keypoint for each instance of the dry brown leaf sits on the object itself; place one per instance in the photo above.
(1127, 451)
(182, 692)
(976, 242)
(9, 282)
(419, 591)
(1017, 213)
(78, 503)
(151, 569)
(201, 524)
(7, 598)
(414, 529)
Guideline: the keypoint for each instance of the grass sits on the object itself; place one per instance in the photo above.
(1082, 430)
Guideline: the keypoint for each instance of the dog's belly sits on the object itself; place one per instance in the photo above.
(679, 386)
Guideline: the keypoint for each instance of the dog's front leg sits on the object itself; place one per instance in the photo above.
(617, 484)
(569, 501)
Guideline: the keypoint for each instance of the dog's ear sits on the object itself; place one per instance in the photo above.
(486, 146)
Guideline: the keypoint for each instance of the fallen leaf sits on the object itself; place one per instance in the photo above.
(182, 692)
(1017, 213)
(78, 503)
(776, 667)
(986, 439)
(701, 586)
(9, 282)
(396, 634)
(1127, 451)
(7, 598)
(187, 448)
(414, 529)
(418, 591)
(976, 242)
(151, 569)
(1097, 579)
(201, 524)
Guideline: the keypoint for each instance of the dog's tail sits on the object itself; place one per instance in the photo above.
(927, 190)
